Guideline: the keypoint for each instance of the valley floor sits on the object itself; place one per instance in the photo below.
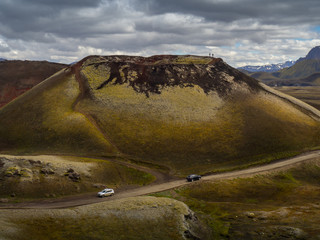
(310, 95)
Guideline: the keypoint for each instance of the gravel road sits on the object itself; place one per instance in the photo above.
(158, 186)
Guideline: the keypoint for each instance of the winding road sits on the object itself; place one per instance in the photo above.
(159, 185)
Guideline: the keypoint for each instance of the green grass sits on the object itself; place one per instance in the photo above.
(258, 189)
(301, 69)
(212, 215)
(111, 227)
(223, 204)
(44, 122)
(108, 171)
(166, 194)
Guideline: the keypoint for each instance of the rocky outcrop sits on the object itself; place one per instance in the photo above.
(73, 175)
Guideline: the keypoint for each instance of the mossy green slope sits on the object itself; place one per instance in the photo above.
(244, 208)
(220, 123)
(301, 69)
(43, 121)
(132, 218)
(185, 112)
(304, 73)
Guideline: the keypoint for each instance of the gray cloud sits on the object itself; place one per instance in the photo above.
(270, 12)
(251, 30)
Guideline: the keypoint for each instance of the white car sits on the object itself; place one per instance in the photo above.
(106, 192)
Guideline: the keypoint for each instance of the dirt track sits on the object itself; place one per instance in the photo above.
(161, 185)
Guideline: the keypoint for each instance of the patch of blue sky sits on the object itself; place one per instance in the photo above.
(317, 29)
(237, 45)
(303, 39)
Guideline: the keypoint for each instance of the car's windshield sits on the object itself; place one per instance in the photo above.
(106, 190)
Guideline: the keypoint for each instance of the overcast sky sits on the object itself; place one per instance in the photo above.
(241, 32)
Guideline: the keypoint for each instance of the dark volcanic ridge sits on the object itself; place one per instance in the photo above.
(149, 75)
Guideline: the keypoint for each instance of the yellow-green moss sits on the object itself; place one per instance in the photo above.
(96, 75)
(185, 60)
(242, 206)
(132, 218)
(11, 171)
(183, 127)
(178, 123)
(46, 121)
(192, 60)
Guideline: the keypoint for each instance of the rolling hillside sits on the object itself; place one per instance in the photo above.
(17, 77)
(301, 69)
(186, 113)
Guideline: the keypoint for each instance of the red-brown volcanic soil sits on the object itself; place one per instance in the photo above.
(17, 77)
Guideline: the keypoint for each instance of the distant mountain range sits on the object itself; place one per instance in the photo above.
(2, 59)
(304, 72)
(268, 68)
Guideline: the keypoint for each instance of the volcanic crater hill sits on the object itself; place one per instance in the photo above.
(187, 113)
(17, 77)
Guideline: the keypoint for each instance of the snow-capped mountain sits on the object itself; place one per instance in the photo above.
(268, 68)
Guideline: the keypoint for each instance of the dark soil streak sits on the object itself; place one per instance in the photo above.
(113, 75)
(152, 77)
